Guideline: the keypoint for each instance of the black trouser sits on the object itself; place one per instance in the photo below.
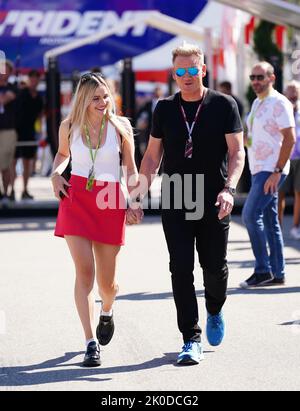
(211, 237)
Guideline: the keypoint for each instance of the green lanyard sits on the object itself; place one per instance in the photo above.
(91, 176)
(251, 122)
(252, 115)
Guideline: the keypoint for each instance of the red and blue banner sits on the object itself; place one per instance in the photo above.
(28, 29)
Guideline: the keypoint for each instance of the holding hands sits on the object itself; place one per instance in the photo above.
(134, 214)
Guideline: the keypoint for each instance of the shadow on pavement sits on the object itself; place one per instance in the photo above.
(26, 224)
(142, 296)
(289, 323)
(32, 374)
(250, 263)
(47, 224)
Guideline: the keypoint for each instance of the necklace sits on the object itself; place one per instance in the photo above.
(91, 127)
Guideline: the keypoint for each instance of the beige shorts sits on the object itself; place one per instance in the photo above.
(8, 141)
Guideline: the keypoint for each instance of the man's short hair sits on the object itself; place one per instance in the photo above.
(186, 50)
(265, 65)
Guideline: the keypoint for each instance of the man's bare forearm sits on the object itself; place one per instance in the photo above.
(132, 177)
(148, 171)
(236, 163)
(286, 150)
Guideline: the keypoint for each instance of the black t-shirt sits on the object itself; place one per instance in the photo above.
(29, 108)
(218, 116)
(8, 111)
(240, 106)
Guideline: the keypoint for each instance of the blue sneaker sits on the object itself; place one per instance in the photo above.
(192, 353)
(215, 329)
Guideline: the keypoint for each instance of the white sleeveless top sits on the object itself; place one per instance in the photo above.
(107, 164)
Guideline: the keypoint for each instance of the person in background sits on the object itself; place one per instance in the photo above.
(245, 181)
(292, 183)
(114, 87)
(30, 106)
(8, 134)
(144, 122)
(271, 138)
(226, 88)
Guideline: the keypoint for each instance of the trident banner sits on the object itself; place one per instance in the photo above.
(28, 30)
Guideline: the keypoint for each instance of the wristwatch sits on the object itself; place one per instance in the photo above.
(231, 190)
(278, 170)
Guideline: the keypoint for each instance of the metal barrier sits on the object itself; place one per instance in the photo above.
(28, 144)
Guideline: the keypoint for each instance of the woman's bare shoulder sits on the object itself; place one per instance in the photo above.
(65, 124)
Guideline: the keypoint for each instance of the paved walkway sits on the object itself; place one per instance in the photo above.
(42, 343)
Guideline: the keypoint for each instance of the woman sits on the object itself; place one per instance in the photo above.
(91, 213)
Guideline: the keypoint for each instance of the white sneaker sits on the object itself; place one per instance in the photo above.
(295, 233)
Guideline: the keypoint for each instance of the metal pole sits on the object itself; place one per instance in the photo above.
(209, 81)
(128, 90)
(53, 103)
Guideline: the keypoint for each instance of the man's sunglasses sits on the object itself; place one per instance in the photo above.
(193, 71)
(259, 77)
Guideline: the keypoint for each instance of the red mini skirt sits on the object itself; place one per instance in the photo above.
(98, 215)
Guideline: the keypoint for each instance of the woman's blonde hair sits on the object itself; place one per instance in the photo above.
(83, 97)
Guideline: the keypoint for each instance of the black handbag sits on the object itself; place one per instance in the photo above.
(66, 174)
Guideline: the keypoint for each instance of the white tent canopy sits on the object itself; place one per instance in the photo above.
(209, 19)
(275, 11)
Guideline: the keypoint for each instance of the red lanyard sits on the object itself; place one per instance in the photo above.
(189, 144)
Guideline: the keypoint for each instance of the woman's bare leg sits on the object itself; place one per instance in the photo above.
(82, 254)
(106, 258)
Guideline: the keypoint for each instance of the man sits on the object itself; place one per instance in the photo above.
(245, 181)
(226, 88)
(292, 183)
(198, 146)
(8, 135)
(271, 132)
(30, 106)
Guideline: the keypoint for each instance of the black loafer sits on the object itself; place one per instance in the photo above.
(105, 329)
(92, 355)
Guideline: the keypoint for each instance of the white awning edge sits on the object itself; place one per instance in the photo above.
(275, 11)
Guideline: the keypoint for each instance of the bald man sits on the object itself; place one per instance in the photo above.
(271, 138)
